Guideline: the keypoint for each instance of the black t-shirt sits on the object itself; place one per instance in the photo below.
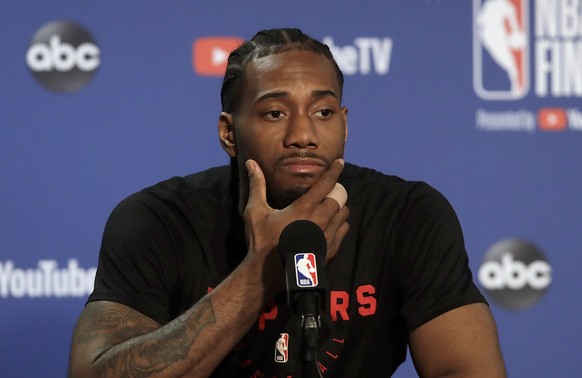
(402, 263)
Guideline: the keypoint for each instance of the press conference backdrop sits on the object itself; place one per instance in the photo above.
(481, 98)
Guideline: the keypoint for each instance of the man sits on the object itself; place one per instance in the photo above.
(189, 282)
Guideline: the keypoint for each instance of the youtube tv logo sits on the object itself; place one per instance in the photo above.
(210, 54)
(552, 119)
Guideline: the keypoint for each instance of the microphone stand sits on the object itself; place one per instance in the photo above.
(302, 243)
(310, 323)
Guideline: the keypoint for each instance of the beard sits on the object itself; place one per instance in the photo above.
(279, 198)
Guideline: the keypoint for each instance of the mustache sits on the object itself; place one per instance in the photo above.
(302, 155)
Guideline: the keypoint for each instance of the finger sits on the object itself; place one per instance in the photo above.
(334, 245)
(326, 182)
(336, 231)
(334, 224)
(257, 184)
(338, 194)
(333, 202)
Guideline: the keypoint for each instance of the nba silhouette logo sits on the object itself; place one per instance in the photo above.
(306, 270)
(500, 49)
(282, 348)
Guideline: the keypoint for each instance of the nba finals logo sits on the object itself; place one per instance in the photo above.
(306, 270)
(500, 49)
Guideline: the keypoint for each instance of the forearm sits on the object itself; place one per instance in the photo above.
(195, 342)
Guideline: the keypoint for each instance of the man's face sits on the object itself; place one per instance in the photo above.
(290, 121)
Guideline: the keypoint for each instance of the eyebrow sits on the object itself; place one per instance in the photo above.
(315, 93)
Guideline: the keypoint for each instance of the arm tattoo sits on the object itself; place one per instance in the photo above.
(157, 350)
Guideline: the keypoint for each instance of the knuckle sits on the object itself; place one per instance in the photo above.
(345, 212)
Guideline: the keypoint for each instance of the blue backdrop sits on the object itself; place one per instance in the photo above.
(496, 129)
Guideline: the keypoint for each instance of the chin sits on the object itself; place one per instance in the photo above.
(282, 192)
(281, 198)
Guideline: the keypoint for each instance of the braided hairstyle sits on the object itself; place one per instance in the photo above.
(265, 43)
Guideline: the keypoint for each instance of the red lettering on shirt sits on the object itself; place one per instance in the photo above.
(338, 305)
(245, 363)
(367, 301)
(334, 356)
(269, 313)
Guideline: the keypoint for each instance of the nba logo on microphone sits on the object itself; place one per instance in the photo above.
(306, 270)
(282, 348)
(500, 49)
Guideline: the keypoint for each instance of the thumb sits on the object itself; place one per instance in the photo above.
(257, 185)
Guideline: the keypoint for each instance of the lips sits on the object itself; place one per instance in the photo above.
(304, 165)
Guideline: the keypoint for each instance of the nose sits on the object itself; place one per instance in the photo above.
(301, 132)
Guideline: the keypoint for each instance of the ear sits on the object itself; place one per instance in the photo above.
(226, 133)
(344, 112)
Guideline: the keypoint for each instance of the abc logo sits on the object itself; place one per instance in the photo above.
(515, 274)
(63, 56)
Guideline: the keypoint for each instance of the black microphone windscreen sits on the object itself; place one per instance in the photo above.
(302, 236)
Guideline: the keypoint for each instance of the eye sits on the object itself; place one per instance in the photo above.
(324, 113)
(273, 114)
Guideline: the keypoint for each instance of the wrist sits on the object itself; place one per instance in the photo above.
(266, 276)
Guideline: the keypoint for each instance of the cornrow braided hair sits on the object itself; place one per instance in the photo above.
(265, 43)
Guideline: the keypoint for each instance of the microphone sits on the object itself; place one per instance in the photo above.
(302, 247)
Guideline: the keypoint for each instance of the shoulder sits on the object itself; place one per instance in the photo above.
(366, 184)
(217, 179)
(177, 197)
(213, 182)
